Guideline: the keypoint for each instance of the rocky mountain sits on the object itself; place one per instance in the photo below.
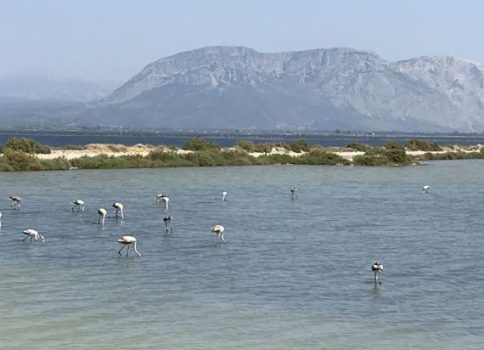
(323, 89)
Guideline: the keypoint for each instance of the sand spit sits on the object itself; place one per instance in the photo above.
(112, 150)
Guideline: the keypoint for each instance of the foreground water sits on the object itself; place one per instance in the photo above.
(293, 274)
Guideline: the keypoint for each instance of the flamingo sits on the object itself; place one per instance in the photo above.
(293, 192)
(425, 188)
(119, 209)
(162, 198)
(0, 219)
(167, 221)
(16, 200)
(78, 204)
(219, 231)
(377, 269)
(224, 194)
(126, 241)
(33, 235)
(102, 215)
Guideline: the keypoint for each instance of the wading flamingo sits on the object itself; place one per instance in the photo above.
(119, 209)
(167, 221)
(219, 231)
(79, 205)
(425, 188)
(293, 192)
(102, 215)
(33, 235)
(377, 269)
(162, 198)
(126, 241)
(224, 194)
(16, 200)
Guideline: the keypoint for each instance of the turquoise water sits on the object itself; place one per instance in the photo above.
(293, 274)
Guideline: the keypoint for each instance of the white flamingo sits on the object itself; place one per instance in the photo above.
(162, 198)
(16, 200)
(1, 219)
(219, 231)
(167, 221)
(119, 209)
(293, 192)
(126, 241)
(79, 205)
(425, 188)
(377, 269)
(102, 215)
(33, 235)
(224, 194)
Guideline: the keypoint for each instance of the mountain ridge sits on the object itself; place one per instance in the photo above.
(327, 89)
(235, 87)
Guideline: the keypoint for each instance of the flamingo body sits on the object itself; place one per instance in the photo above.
(33, 235)
(377, 269)
(126, 241)
(16, 200)
(219, 231)
(78, 204)
(119, 209)
(102, 215)
(162, 198)
(167, 221)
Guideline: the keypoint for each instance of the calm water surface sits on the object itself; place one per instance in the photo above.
(291, 275)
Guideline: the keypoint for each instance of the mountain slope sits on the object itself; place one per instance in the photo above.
(323, 89)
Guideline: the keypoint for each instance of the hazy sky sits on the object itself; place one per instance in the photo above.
(114, 39)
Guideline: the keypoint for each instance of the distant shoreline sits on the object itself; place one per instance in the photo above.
(229, 138)
(111, 150)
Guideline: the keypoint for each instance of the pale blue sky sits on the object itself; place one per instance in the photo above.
(114, 39)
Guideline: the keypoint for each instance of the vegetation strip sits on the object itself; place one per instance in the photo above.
(20, 154)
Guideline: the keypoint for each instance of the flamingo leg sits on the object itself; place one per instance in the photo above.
(23, 240)
(119, 252)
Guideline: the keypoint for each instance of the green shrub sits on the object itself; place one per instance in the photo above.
(278, 159)
(452, 155)
(358, 146)
(55, 164)
(384, 157)
(199, 144)
(392, 145)
(299, 146)
(20, 161)
(246, 145)
(319, 157)
(264, 147)
(420, 145)
(25, 145)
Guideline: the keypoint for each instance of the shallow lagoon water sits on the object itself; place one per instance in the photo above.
(292, 273)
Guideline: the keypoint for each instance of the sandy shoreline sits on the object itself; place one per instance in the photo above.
(110, 150)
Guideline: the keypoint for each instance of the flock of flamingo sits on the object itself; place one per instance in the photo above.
(126, 241)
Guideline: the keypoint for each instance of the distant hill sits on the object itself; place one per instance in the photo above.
(323, 89)
(34, 88)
